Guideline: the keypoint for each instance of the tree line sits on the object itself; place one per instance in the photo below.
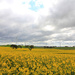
(30, 47)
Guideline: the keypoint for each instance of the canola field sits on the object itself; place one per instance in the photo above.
(39, 61)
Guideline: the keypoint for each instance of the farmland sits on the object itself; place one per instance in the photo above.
(39, 61)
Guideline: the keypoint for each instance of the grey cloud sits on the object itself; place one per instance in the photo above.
(62, 16)
(65, 14)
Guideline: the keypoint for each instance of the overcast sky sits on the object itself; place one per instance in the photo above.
(37, 21)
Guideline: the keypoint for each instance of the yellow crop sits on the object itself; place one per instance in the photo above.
(36, 62)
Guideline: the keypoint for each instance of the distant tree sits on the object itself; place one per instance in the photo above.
(49, 46)
(66, 46)
(14, 46)
(31, 47)
(19, 46)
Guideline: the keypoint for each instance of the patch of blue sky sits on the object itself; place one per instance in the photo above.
(41, 6)
(23, 2)
(34, 7)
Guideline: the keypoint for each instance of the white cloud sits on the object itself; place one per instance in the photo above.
(48, 28)
(4, 5)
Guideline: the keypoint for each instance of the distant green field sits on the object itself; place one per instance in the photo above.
(65, 48)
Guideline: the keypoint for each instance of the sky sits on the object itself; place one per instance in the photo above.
(37, 22)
